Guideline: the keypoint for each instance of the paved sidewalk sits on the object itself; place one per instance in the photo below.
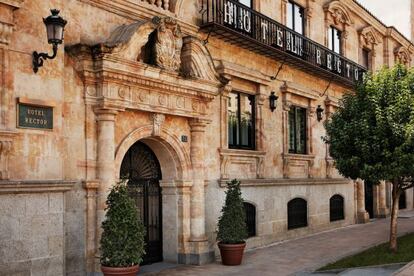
(303, 254)
(407, 270)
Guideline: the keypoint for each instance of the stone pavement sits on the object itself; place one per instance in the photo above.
(407, 270)
(303, 254)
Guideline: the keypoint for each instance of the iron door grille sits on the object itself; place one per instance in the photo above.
(142, 169)
(297, 213)
(250, 219)
(336, 208)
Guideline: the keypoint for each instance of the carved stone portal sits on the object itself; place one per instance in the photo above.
(168, 44)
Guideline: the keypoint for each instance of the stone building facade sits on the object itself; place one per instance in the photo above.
(175, 95)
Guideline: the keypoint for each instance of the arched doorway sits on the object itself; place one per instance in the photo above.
(143, 171)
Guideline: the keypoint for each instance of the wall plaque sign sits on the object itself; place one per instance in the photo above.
(33, 116)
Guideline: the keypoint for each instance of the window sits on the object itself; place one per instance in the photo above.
(297, 130)
(366, 58)
(336, 208)
(295, 17)
(402, 202)
(241, 119)
(334, 40)
(247, 3)
(250, 218)
(297, 213)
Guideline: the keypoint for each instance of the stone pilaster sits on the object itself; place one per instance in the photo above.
(105, 161)
(362, 214)
(91, 187)
(199, 247)
(197, 191)
(383, 211)
(6, 144)
(7, 134)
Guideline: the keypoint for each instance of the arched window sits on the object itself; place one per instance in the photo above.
(297, 213)
(250, 218)
(402, 202)
(336, 208)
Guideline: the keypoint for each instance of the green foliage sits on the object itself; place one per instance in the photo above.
(122, 241)
(371, 134)
(378, 255)
(232, 227)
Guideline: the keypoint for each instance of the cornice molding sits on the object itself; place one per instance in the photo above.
(12, 3)
(240, 71)
(35, 186)
(288, 182)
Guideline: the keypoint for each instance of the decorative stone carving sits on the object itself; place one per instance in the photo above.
(196, 60)
(298, 166)
(338, 13)
(163, 4)
(252, 163)
(369, 37)
(169, 42)
(6, 30)
(402, 55)
(157, 121)
(114, 76)
(6, 23)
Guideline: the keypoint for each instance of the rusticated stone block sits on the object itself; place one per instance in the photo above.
(37, 204)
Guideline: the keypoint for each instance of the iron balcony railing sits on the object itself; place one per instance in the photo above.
(240, 25)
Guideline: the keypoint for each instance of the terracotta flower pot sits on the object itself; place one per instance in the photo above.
(231, 254)
(120, 271)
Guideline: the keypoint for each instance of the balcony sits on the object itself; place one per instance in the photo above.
(237, 24)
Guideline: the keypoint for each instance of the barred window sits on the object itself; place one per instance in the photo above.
(250, 218)
(297, 213)
(336, 208)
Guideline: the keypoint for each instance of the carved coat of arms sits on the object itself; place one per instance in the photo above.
(168, 44)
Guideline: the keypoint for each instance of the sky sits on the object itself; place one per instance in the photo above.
(392, 12)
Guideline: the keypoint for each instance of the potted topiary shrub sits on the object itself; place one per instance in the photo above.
(122, 240)
(232, 230)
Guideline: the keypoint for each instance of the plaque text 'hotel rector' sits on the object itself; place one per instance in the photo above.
(32, 116)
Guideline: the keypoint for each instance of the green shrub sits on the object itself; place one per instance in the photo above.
(232, 223)
(122, 240)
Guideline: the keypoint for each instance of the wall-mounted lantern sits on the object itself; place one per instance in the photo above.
(272, 101)
(55, 26)
(319, 113)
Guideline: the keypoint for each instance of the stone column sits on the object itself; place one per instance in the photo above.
(383, 211)
(200, 252)
(105, 161)
(197, 191)
(362, 214)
